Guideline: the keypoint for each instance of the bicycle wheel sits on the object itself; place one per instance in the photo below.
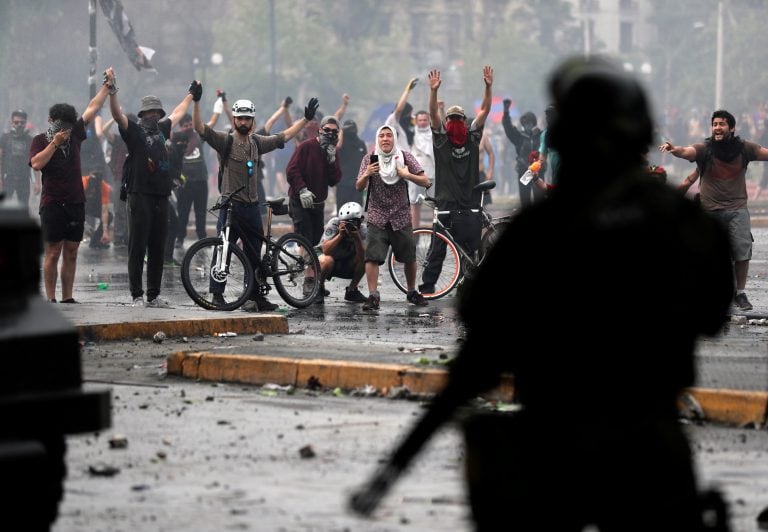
(492, 236)
(295, 270)
(199, 273)
(449, 274)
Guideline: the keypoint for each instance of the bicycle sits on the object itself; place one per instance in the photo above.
(458, 263)
(215, 264)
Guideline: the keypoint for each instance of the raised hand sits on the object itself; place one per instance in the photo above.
(311, 108)
(488, 75)
(196, 90)
(434, 79)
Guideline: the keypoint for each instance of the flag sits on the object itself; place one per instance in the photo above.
(118, 20)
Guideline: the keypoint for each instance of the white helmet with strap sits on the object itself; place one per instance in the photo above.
(244, 108)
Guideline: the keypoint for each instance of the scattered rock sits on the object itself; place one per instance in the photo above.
(118, 441)
(365, 391)
(103, 470)
(258, 337)
(307, 452)
(159, 337)
(140, 487)
(313, 383)
(691, 409)
(398, 392)
(739, 320)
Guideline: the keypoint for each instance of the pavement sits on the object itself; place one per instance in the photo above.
(401, 346)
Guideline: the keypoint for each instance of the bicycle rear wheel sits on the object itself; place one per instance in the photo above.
(492, 236)
(450, 274)
(199, 275)
(295, 270)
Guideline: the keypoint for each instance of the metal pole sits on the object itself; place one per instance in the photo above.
(273, 49)
(719, 58)
(92, 48)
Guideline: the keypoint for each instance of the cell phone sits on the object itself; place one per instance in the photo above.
(374, 158)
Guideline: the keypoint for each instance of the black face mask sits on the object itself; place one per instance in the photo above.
(19, 128)
(327, 138)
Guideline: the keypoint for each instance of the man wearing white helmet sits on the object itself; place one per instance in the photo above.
(240, 153)
(343, 253)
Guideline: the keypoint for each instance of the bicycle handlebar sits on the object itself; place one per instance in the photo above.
(224, 199)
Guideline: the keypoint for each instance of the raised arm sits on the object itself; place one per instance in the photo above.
(688, 152)
(95, 104)
(404, 97)
(181, 109)
(485, 107)
(309, 114)
(434, 84)
(280, 111)
(219, 106)
(110, 81)
(342, 107)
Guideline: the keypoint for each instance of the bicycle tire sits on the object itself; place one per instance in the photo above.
(197, 272)
(450, 274)
(292, 258)
(492, 235)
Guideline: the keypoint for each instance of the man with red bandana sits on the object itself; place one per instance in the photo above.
(456, 147)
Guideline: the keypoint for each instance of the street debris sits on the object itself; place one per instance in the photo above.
(307, 452)
(103, 470)
(226, 334)
(159, 337)
(258, 337)
(398, 392)
(365, 391)
(118, 441)
(691, 409)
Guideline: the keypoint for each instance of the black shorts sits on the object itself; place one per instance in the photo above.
(343, 268)
(63, 221)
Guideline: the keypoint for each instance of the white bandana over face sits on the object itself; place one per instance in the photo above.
(422, 139)
(391, 161)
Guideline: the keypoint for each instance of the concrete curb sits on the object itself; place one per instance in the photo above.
(729, 407)
(264, 323)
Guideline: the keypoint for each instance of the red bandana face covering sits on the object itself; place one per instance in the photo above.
(457, 132)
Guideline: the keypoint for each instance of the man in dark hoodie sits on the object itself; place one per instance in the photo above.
(526, 143)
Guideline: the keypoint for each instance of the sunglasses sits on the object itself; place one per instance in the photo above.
(249, 165)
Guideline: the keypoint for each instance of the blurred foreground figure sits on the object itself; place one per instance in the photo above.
(637, 272)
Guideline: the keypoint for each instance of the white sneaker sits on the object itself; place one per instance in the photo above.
(157, 303)
(138, 301)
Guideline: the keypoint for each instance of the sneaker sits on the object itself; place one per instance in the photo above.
(742, 302)
(372, 303)
(157, 303)
(250, 306)
(138, 301)
(427, 288)
(264, 304)
(70, 300)
(416, 298)
(218, 299)
(353, 295)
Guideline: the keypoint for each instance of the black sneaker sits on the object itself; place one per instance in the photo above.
(372, 303)
(427, 288)
(353, 295)
(416, 298)
(264, 304)
(218, 299)
(742, 302)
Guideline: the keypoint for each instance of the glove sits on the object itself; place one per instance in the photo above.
(507, 104)
(411, 84)
(287, 102)
(306, 198)
(221, 94)
(218, 106)
(311, 108)
(330, 153)
(196, 90)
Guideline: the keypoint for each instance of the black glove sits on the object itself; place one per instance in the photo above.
(287, 102)
(221, 94)
(507, 104)
(196, 90)
(311, 108)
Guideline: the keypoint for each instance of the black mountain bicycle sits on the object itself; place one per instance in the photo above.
(217, 274)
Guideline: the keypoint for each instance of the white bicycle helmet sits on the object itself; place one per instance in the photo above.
(350, 211)
(244, 108)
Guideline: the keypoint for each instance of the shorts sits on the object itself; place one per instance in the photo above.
(343, 268)
(63, 221)
(739, 232)
(378, 242)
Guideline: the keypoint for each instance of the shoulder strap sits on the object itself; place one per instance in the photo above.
(225, 157)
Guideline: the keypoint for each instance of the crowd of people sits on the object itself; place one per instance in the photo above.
(156, 171)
